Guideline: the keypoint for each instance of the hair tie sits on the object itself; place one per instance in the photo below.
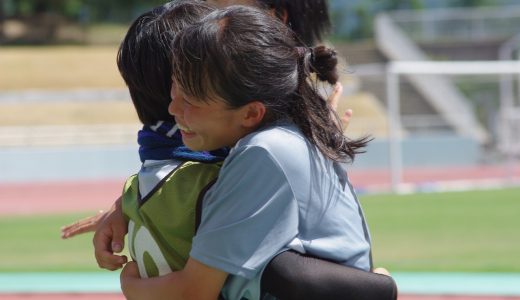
(311, 49)
(301, 51)
(305, 64)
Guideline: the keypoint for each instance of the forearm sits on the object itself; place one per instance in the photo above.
(116, 206)
(165, 287)
(195, 282)
(291, 275)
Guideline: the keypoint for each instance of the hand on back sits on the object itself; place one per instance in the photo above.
(110, 229)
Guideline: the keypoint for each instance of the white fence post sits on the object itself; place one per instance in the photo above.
(394, 128)
(510, 119)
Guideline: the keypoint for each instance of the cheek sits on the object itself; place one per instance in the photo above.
(191, 117)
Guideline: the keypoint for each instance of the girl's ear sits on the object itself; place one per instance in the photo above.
(254, 113)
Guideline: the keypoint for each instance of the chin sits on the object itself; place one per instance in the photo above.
(193, 147)
(190, 145)
(196, 147)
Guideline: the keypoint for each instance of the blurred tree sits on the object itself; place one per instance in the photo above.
(365, 11)
(119, 10)
(100, 10)
(2, 19)
(353, 19)
(364, 26)
(42, 19)
(471, 3)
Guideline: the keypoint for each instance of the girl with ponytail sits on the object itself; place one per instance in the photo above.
(257, 59)
(241, 80)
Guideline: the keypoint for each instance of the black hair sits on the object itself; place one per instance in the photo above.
(144, 57)
(309, 19)
(241, 54)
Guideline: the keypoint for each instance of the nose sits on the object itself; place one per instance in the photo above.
(172, 110)
(174, 106)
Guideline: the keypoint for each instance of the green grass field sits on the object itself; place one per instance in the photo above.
(458, 231)
(475, 231)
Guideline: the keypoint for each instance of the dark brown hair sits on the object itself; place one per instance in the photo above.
(144, 57)
(309, 19)
(241, 54)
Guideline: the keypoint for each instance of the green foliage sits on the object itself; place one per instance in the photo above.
(94, 10)
(354, 21)
(365, 11)
(119, 10)
(471, 3)
(72, 8)
(27, 8)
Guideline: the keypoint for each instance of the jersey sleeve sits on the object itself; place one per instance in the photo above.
(249, 215)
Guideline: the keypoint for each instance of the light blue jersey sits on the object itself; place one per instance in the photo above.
(277, 191)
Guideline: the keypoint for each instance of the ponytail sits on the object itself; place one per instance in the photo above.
(324, 62)
(311, 112)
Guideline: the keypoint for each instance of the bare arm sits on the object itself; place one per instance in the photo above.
(196, 281)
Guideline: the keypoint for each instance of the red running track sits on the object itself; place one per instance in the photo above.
(76, 196)
(425, 176)
(58, 197)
